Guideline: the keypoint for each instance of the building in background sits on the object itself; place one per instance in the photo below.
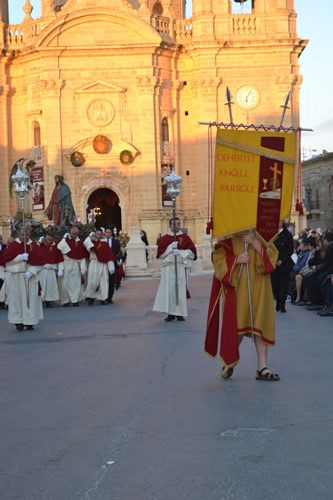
(109, 93)
(317, 174)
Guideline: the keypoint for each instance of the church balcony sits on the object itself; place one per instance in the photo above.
(17, 36)
(177, 30)
(244, 25)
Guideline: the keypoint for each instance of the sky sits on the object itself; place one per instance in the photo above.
(314, 23)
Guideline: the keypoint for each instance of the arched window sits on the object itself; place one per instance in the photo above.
(165, 130)
(36, 133)
(158, 9)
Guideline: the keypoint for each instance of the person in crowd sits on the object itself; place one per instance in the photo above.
(75, 267)
(101, 266)
(23, 261)
(242, 268)
(53, 267)
(321, 272)
(296, 275)
(114, 244)
(60, 208)
(177, 253)
(3, 247)
(121, 275)
(144, 239)
(304, 233)
(280, 276)
(327, 292)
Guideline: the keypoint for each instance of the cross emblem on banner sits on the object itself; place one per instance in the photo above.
(275, 171)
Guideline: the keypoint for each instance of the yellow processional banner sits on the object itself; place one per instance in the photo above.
(253, 181)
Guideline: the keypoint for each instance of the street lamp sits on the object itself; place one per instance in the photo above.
(21, 181)
(173, 181)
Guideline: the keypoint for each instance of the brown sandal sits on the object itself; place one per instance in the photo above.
(266, 374)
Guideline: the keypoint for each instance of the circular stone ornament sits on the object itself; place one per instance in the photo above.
(77, 159)
(126, 157)
(101, 144)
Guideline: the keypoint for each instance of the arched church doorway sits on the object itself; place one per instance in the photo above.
(107, 209)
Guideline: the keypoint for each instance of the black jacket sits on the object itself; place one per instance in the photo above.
(285, 245)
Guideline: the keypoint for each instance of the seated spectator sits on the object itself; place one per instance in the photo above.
(316, 279)
(313, 259)
(327, 290)
(296, 277)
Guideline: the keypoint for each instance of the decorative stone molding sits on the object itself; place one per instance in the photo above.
(51, 84)
(100, 87)
(115, 181)
(147, 83)
(167, 112)
(100, 112)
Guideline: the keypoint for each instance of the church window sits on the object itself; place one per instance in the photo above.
(165, 130)
(36, 133)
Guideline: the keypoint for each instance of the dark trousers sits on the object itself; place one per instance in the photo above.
(280, 283)
(327, 291)
(313, 284)
(112, 280)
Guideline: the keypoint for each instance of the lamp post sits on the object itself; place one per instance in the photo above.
(21, 182)
(173, 181)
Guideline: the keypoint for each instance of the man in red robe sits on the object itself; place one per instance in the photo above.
(75, 268)
(23, 262)
(53, 266)
(242, 268)
(101, 264)
(177, 253)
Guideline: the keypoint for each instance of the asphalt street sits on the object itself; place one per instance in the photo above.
(112, 403)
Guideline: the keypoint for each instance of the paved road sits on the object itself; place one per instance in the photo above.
(117, 384)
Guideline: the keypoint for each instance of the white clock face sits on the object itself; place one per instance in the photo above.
(247, 97)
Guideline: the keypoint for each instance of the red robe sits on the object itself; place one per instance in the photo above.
(51, 254)
(234, 291)
(15, 248)
(77, 251)
(103, 252)
(184, 243)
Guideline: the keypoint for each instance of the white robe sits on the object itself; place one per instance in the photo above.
(165, 300)
(49, 282)
(3, 297)
(22, 297)
(98, 275)
(70, 284)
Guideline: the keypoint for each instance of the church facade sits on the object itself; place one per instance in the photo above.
(111, 94)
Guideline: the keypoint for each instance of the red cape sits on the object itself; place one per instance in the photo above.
(103, 252)
(51, 254)
(228, 351)
(184, 243)
(14, 249)
(77, 251)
